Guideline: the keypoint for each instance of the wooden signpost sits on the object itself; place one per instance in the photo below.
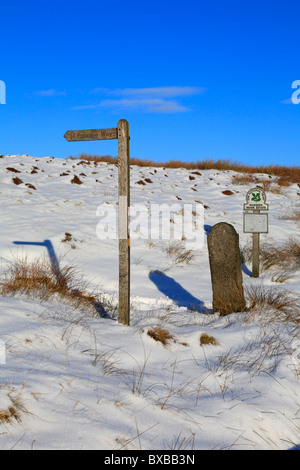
(122, 134)
(91, 134)
(255, 222)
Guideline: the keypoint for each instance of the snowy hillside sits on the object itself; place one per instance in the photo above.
(75, 379)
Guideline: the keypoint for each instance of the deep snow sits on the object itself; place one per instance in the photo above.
(85, 382)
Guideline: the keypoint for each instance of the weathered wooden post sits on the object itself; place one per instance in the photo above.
(255, 222)
(122, 134)
(124, 239)
(255, 252)
(226, 269)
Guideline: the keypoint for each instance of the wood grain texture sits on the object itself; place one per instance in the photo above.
(91, 134)
(124, 203)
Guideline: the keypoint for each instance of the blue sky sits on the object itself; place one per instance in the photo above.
(195, 79)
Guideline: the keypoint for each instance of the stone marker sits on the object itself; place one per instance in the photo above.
(226, 269)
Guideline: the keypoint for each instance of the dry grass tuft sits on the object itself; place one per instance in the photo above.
(160, 334)
(206, 339)
(275, 186)
(14, 411)
(13, 170)
(17, 181)
(180, 253)
(244, 178)
(76, 180)
(293, 213)
(6, 416)
(285, 256)
(38, 279)
(284, 305)
(227, 192)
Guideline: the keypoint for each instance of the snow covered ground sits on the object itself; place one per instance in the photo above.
(79, 381)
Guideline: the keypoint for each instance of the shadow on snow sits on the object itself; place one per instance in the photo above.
(56, 270)
(174, 291)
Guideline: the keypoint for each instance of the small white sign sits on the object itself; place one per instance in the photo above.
(255, 223)
(256, 200)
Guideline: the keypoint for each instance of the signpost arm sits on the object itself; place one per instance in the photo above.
(124, 204)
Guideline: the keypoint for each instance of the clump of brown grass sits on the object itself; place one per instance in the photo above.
(37, 278)
(284, 305)
(14, 411)
(13, 170)
(227, 192)
(7, 415)
(285, 180)
(243, 178)
(271, 186)
(160, 334)
(76, 180)
(293, 213)
(180, 253)
(285, 256)
(207, 339)
(17, 181)
(268, 184)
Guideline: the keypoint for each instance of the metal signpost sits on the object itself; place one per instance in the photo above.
(256, 222)
(122, 134)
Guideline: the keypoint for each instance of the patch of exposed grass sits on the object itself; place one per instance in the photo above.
(244, 178)
(76, 180)
(281, 303)
(160, 334)
(275, 186)
(293, 213)
(207, 339)
(13, 411)
(37, 278)
(284, 256)
(180, 253)
(17, 181)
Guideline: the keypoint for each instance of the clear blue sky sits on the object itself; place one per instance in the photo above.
(195, 79)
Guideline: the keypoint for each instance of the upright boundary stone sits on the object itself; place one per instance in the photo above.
(226, 269)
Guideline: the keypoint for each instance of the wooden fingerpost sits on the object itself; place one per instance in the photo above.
(122, 134)
(124, 239)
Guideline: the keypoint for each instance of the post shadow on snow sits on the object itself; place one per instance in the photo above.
(56, 269)
(175, 292)
(207, 229)
(245, 269)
